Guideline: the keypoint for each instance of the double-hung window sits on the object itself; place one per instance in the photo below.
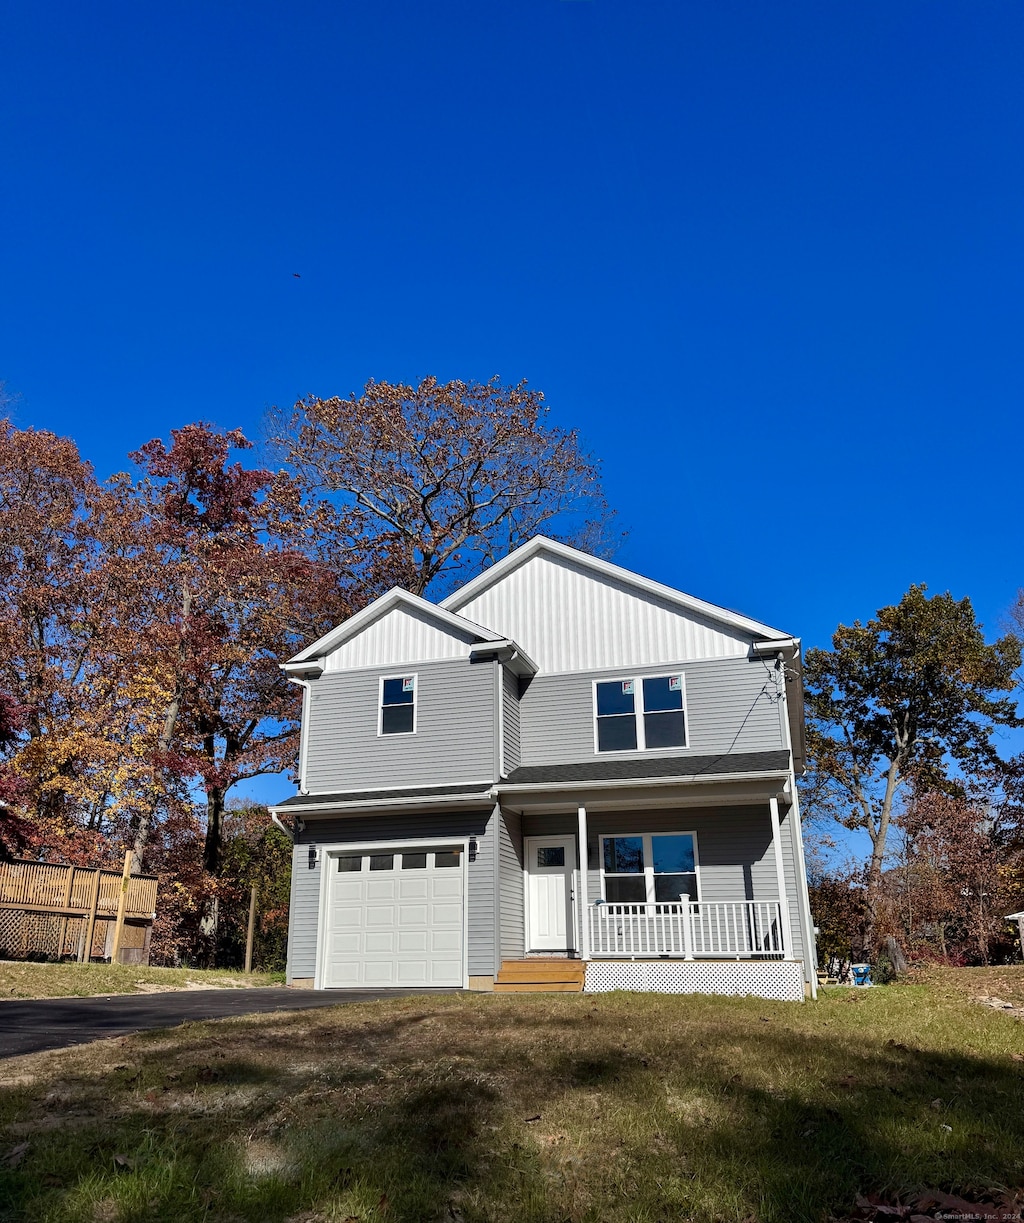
(640, 714)
(649, 868)
(398, 705)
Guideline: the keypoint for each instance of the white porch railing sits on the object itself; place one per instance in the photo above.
(731, 929)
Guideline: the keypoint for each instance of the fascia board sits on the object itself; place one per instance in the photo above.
(396, 597)
(540, 543)
(470, 802)
(622, 783)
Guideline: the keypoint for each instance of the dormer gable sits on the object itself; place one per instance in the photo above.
(397, 628)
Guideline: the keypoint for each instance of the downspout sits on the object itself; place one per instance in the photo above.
(304, 731)
(284, 827)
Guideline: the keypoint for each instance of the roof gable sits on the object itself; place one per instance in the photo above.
(573, 612)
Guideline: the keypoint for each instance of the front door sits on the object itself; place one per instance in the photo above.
(550, 863)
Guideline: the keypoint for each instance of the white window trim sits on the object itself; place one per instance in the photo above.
(323, 865)
(638, 712)
(415, 706)
(648, 872)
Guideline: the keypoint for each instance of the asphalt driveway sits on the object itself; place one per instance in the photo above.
(32, 1025)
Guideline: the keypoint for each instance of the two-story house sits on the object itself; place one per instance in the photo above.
(562, 775)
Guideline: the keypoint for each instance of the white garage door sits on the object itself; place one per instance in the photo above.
(394, 918)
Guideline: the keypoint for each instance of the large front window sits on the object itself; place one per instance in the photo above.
(648, 868)
(640, 714)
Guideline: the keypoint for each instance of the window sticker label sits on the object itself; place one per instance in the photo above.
(675, 683)
(409, 684)
(628, 687)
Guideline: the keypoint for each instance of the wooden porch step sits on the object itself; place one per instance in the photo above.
(534, 976)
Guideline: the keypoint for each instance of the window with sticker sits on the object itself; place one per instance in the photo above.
(398, 705)
(640, 713)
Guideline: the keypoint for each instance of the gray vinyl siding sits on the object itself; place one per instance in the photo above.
(304, 913)
(735, 856)
(455, 739)
(510, 719)
(729, 708)
(512, 920)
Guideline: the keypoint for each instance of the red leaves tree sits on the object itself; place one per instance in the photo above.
(229, 591)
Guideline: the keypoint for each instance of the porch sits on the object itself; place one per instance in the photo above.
(678, 897)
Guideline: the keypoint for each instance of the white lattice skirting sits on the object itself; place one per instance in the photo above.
(781, 980)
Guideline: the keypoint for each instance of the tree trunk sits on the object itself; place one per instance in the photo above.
(896, 957)
(878, 835)
(146, 818)
(216, 802)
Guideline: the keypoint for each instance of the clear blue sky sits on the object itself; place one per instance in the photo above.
(767, 258)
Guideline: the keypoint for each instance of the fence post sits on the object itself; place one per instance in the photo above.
(251, 930)
(122, 902)
(90, 925)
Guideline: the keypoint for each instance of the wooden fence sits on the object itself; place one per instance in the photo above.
(55, 910)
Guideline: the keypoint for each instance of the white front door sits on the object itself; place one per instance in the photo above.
(550, 863)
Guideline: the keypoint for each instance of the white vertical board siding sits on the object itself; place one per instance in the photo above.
(731, 706)
(303, 914)
(455, 731)
(512, 923)
(402, 635)
(510, 720)
(569, 618)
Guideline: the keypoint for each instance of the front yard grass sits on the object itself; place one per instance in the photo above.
(28, 980)
(534, 1108)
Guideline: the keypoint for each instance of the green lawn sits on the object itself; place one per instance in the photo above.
(20, 980)
(524, 1109)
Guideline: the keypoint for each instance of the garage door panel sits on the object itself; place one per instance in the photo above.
(396, 927)
(447, 941)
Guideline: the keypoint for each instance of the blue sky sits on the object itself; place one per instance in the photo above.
(767, 258)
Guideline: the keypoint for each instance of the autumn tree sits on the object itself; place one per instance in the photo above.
(53, 640)
(228, 589)
(911, 697)
(960, 875)
(441, 478)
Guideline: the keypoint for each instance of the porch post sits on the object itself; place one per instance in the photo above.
(773, 807)
(584, 899)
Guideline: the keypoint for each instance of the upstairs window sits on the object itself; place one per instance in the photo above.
(640, 714)
(398, 705)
